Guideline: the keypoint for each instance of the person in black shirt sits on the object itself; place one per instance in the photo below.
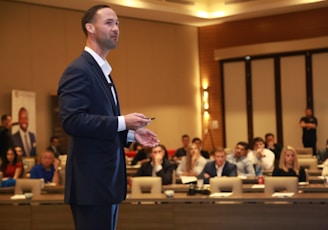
(309, 125)
(5, 135)
(288, 165)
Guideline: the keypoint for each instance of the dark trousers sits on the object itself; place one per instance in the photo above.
(310, 143)
(100, 217)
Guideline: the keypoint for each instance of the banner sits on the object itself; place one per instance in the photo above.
(24, 116)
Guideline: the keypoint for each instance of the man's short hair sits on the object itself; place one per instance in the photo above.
(268, 134)
(4, 117)
(244, 144)
(89, 16)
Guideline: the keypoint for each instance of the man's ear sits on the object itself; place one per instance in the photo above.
(90, 28)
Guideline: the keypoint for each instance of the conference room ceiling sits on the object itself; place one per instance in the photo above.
(191, 12)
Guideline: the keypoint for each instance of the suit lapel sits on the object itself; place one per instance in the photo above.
(103, 82)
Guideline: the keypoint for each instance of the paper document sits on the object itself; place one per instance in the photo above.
(188, 179)
(221, 194)
(258, 186)
(282, 194)
(18, 197)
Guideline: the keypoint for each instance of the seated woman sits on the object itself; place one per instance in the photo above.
(193, 163)
(11, 168)
(159, 165)
(288, 165)
(48, 169)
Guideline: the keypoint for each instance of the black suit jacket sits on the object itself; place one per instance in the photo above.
(95, 167)
(17, 141)
(229, 169)
(146, 169)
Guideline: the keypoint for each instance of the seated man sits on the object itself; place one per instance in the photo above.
(239, 158)
(219, 167)
(158, 166)
(182, 151)
(261, 158)
(47, 169)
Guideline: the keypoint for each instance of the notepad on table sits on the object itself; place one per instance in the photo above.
(221, 194)
(188, 179)
(282, 194)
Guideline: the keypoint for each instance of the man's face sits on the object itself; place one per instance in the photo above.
(240, 151)
(219, 158)
(47, 159)
(308, 113)
(8, 122)
(105, 28)
(23, 120)
(269, 139)
(185, 141)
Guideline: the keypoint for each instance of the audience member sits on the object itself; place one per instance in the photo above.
(182, 151)
(159, 165)
(323, 154)
(19, 152)
(5, 135)
(239, 158)
(24, 138)
(309, 125)
(141, 156)
(55, 146)
(11, 166)
(261, 158)
(288, 165)
(219, 167)
(48, 169)
(274, 147)
(193, 163)
(199, 143)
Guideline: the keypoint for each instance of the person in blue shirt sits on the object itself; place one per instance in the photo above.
(48, 169)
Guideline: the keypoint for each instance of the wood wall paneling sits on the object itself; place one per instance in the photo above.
(293, 91)
(320, 84)
(263, 90)
(235, 103)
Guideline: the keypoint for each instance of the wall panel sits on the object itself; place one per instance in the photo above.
(320, 92)
(263, 95)
(235, 103)
(293, 93)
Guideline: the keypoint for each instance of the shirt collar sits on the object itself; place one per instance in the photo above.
(103, 63)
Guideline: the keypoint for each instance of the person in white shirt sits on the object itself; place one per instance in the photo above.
(261, 158)
(193, 163)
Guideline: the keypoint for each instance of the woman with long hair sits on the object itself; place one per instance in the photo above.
(288, 165)
(11, 166)
(193, 163)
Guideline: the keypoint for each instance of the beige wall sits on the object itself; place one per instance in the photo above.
(155, 67)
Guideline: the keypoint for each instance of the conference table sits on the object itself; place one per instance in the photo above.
(146, 211)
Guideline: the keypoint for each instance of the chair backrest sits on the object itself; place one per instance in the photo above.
(309, 163)
(146, 184)
(63, 159)
(28, 163)
(304, 152)
(224, 184)
(28, 185)
(280, 183)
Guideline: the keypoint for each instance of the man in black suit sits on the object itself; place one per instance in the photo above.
(96, 181)
(218, 168)
(158, 166)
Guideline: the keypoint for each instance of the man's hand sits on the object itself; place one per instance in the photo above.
(136, 121)
(146, 137)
